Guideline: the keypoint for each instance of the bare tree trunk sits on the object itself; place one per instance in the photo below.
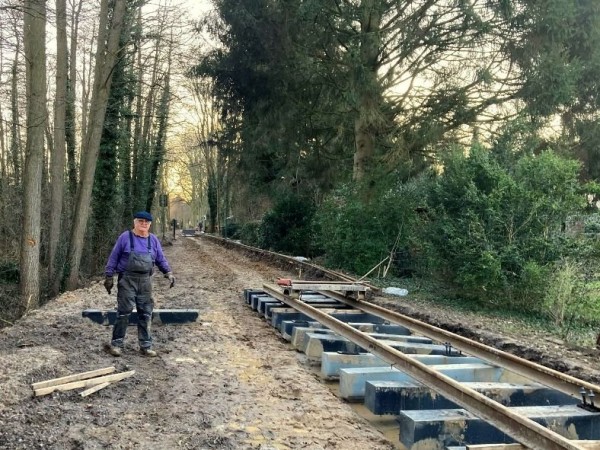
(71, 97)
(15, 142)
(35, 55)
(3, 154)
(158, 155)
(59, 154)
(87, 76)
(137, 134)
(108, 47)
(143, 167)
(368, 114)
(3, 159)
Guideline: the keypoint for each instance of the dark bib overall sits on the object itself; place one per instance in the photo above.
(135, 289)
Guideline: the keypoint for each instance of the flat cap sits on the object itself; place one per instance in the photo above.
(143, 215)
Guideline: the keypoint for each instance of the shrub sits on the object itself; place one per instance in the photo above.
(9, 272)
(288, 227)
(231, 230)
(572, 297)
(249, 233)
(356, 235)
(496, 229)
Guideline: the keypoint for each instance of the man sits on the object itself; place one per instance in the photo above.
(133, 258)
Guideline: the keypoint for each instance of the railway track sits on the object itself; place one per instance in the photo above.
(447, 391)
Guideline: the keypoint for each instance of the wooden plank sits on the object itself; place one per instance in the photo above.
(93, 389)
(75, 377)
(83, 383)
(588, 445)
(328, 287)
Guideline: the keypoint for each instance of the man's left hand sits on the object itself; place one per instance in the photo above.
(108, 284)
(171, 278)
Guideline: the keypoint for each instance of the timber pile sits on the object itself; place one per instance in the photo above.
(92, 381)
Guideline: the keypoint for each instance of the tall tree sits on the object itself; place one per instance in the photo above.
(59, 154)
(556, 44)
(157, 155)
(110, 26)
(387, 79)
(35, 54)
(15, 133)
(107, 194)
(70, 125)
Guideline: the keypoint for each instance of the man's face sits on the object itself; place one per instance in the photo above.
(142, 226)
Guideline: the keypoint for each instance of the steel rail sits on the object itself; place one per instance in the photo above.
(541, 374)
(522, 429)
(544, 375)
(587, 445)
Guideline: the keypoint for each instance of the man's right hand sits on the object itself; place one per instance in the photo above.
(108, 284)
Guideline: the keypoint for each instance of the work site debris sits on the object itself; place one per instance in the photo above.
(93, 389)
(93, 380)
(399, 292)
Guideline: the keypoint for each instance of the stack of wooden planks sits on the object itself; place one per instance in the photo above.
(91, 381)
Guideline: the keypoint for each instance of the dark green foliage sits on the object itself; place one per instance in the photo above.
(158, 151)
(10, 310)
(9, 272)
(107, 200)
(250, 234)
(356, 236)
(592, 224)
(556, 44)
(495, 232)
(288, 227)
(289, 133)
(212, 202)
(231, 230)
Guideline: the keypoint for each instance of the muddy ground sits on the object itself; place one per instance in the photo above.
(227, 381)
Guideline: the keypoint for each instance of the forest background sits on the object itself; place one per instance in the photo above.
(452, 144)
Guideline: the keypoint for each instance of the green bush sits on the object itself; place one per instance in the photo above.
(231, 230)
(496, 229)
(288, 227)
(250, 233)
(592, 223)
(9, 272)
(572, 297)
(356, 235)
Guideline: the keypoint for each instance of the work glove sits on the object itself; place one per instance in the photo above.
(108, 284)
(171, 278)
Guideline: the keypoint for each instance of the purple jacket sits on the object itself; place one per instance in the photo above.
(117, 261)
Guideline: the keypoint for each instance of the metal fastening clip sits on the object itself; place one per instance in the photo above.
(448, 346)
(583, 395)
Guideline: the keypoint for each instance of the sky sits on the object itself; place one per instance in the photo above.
(198, 7)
